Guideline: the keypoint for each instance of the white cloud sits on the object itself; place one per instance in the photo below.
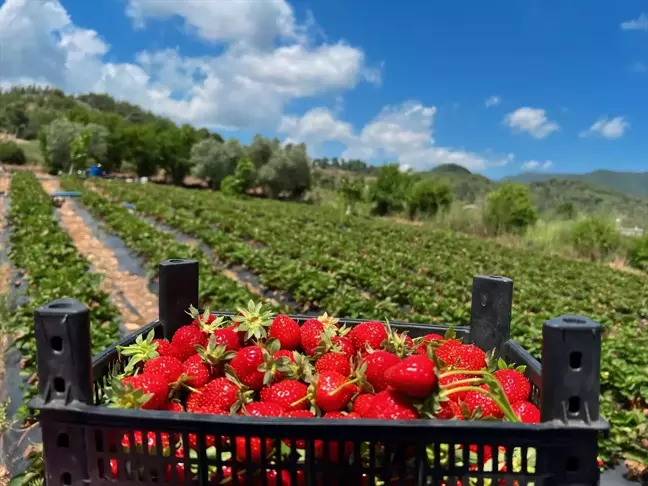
(531, 120)
(640, 23)
(400, 133)
(639, 67)
(247, 84)
(606, 128)
(258, 22)
(537, 165)
(492, 101)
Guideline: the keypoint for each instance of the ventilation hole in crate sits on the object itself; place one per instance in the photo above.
(572, 464)
(573, 320)
(574, 405)
(176, 260)
(63, 440)
(575, 359)
(66, 479)
(59, 384)
(57, 344)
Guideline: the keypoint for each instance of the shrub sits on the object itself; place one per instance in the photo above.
(387, 193)
(510, 209)
(428, 197)
(595, 238)
(638, 253)
(11, 153)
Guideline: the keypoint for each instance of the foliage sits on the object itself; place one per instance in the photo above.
(213, 161)
(388, 192)
(11, 153)
(350, 192)
(287, 173)
(595, 238)
(566, 210)
(245, 173)
(510, 209)
(428, 197)
(58, 137)
(143, 149)
(353, 165)
(638, 253)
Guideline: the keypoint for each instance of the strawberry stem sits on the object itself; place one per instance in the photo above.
(464, 372)
(350, 382)
(503, 405)
(303, 399)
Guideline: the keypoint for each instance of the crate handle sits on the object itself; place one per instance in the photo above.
(490, 312)
(178, 291)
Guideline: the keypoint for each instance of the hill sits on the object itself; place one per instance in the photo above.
(550, 194)
(633, 183)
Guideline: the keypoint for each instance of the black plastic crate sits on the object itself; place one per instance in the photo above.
(81, 438)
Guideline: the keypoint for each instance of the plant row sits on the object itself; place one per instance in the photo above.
(216, 290)
(430, 271)
(53, 269)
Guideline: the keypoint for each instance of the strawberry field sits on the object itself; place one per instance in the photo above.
(304, 259)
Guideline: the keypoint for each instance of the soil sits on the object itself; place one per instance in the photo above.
(130, 293)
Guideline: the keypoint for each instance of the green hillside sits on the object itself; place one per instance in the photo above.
(633, 183)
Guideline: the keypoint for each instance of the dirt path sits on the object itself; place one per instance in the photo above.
(123, 287)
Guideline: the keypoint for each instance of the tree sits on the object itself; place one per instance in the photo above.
(287, 173)
(595, 238)
(213, 161)
(79, 151)
(245, 173)
(428, 197)
(388, 192)
(260, 150)
(57, 140)
(510, 208)
(143, 148)
(351, 191)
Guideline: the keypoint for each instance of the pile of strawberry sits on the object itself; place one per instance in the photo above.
(254, 364)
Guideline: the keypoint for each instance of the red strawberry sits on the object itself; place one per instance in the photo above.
(341, 415)
(334, 362)
(229, 337)
(414, 376)
(193, 400)
(488, 407)
(246, 366)
(391, 405)
(447, 383)
(168, 367)
(344, 344)
(448, 352)
(220, 391)
(311, 333)
(226, 475)
(255, 448)
(299, 414)
(370, 334)
(210, 409)
(197, 372)
(285, 393)
(422, 348)
(263, 409)
(515, 384)
(165, 348)
(138, 440)
(286, 331)
(186, 339)
(362, 404)
(114, 468)
(449, 409)
(287, 478)
(377, 364)
(210, 440)
(155, 387)
(470, 357)
(527, 411)
(333, 392)
(173, 406)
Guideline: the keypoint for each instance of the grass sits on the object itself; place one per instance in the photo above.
(32, 151)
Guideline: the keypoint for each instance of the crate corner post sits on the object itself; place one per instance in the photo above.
(178, 291)
(571, 368)
(490, 312)
(62, 330)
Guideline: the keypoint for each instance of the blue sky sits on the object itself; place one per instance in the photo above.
(498, 87)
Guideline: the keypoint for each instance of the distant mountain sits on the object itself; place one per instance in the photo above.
(551, 193)
(632, 183)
